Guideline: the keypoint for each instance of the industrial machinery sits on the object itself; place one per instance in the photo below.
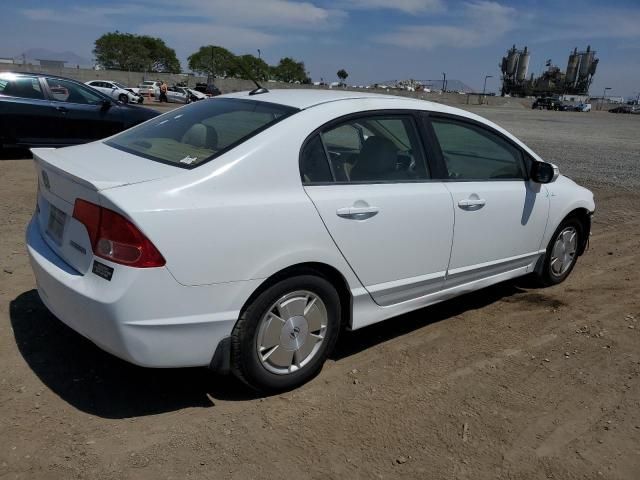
(581, 67)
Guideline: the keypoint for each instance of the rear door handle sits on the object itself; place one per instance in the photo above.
(357, 213)
(472, 204)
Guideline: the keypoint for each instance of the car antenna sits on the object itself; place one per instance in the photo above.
(259, 88)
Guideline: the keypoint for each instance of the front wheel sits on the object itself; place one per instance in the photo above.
(562, 252)
(123, 98)
(286, 333)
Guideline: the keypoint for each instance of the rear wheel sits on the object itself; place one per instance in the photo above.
(284, 336)
(562, 252)
(123, 98)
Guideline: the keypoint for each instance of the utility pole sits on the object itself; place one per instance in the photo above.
(444, 81)
(484, 88)
(604, 93)
(259, 53)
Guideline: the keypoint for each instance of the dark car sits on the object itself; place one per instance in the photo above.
(46, 110)
(547, 103)
(208, 89)
(626, 109)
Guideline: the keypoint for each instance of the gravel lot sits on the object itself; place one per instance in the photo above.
(511, 382)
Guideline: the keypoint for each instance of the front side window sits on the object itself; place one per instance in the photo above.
(191, 136)
(65, 91)
(20, 86)
(376, 148)
(474, 153)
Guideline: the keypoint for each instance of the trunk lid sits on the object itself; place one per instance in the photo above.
(82, 172)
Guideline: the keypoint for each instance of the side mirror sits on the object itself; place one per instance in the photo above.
(543, 172)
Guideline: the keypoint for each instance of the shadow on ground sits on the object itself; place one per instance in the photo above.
(11, 153)
(101, 384)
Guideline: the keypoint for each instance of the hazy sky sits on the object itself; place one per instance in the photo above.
(374, 40)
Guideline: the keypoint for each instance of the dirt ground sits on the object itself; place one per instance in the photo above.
(511, 382)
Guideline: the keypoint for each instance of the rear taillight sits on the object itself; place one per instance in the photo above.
(115, 238)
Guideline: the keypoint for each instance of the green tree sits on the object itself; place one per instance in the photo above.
(255, 66)
(214, 61)
(160, 58)
(342, 74)
(126, 51)
(289, 70)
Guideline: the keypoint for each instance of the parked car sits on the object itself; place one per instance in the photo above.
(246, 232)
(626, 109)
(178, 95)
(546, 103)
(208, 89)
(149, 88)
(117, 91)
(46, 110)
(194, 95)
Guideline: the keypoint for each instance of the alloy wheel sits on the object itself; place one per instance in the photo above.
(291, 332)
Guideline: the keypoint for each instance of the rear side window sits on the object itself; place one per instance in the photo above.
(314, 167)
(23, 87)
(475, 153)
(195, 134)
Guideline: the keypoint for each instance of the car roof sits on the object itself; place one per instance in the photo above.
(307, 98)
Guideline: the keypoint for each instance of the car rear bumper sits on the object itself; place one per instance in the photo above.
(143, 316)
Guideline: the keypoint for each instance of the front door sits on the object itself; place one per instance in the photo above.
(500, 215)
(81, 114)
(392, 224)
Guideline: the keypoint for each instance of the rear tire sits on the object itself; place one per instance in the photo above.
(284, 336)
(562, 253)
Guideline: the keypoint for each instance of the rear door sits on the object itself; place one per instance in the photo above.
(368, 178)
(500, 215)
(81, 114)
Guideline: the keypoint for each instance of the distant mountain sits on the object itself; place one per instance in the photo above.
(71, 58)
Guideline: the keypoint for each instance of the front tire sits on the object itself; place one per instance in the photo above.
(562, 252)
(284, 336)
(123, 98)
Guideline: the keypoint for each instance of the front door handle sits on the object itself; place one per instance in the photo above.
(357, 213)
(472, 204)
(62, 109)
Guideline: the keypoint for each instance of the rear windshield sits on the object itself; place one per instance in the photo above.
(193, 135)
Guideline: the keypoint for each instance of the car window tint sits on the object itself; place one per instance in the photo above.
(314, 166)
(65, 91)
(474, 153)
(191, 136)
(23, 87)
(376, 149)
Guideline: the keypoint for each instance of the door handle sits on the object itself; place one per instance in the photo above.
(62, 109)
(357, 213)
(472, 204)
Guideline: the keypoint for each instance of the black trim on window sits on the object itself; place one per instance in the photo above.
(413, 115)
(442, 169)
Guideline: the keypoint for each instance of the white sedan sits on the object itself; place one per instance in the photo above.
(245, 232)
(116, 90)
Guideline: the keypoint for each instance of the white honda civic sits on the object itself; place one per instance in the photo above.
(245, 232)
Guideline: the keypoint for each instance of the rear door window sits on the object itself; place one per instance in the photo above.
(194, 135)
(373, 148)
(21, 86)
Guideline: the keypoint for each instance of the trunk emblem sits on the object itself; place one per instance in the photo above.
(45, 180)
